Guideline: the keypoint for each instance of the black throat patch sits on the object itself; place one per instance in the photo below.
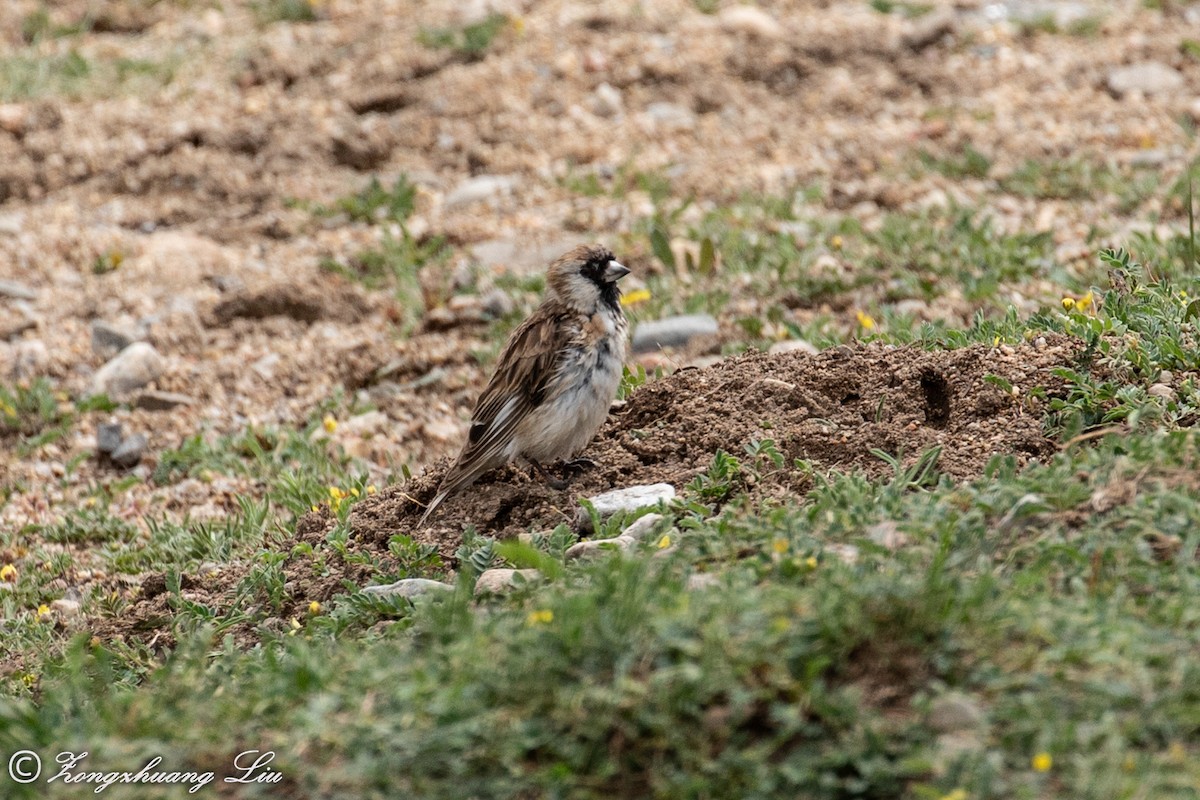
(593, 269)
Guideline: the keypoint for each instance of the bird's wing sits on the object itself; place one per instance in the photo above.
(520, 383)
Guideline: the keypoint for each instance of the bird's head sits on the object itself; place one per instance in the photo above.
(586, 278)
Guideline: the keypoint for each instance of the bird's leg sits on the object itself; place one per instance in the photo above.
(551, 481)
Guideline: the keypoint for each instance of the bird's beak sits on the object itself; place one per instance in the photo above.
(615, 271)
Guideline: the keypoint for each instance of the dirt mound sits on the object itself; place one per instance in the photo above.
(830, 410)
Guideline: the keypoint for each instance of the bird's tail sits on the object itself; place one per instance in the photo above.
(433, 504)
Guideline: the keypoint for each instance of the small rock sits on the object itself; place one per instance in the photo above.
(65, 608)
(751, 21)
(498, 581)
(930, 28)
(1161, 391)
(162, 401)
(670, 116)
(108, 437)
(481, 187)
(607, 101)
(14, 118)
(643, 527)
(793, 346)
(702, 580)
(598, 547)
(409, 587)
(30, 358)
(672, 331)
(130, 451)
(955, 712)
(108, 339)
(887, 534)
(630, 499)
(1166, 376)
(442, 430)
(1147, 77)
(131, 369)
(497, 304)
(846, 553)
(17, 291)
(366, 424)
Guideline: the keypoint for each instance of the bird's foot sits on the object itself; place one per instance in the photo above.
(551, 481)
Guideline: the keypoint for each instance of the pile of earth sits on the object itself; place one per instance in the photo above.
(829, 410)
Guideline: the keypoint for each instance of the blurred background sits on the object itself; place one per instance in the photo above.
(326, 215)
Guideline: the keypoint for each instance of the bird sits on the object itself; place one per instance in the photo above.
(556, 377)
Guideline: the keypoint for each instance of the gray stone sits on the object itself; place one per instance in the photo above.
(887, 534)
(499, 581)
(607, 101)
(65, 608)
(162, 401)
(409, 587)
(930, 28)
(108, 338)
(497, 303)
(629, 499)
(599, 547)
(793, 346)
(108, 437)
(846, 553)
(672, 331)
(751, 21)
(955, 712)
(1147, 77)
(699, 581)
(481, 187)
(130, 451)
(1161, 391)
(30, 358)
(670, 116)
(17, 291)
(643, 528)
(131, 369)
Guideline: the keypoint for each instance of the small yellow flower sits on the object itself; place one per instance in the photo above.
(314, 607)
(541, 617)
(43, 612)
(811, 562)
(8, 573)
(957, 794)
(371, 488)
(780, 546)
(315, 509)
(354, 491)
(518, 24)
(865, 320)
(664, 542)
(835, 242)
(635, 297)
(29, 679)
(330, 423)
(1084, 302)
(1068, 303)
(1042, 762)
(996, 342)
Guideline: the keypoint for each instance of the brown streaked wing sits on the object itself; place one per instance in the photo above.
(522, 375)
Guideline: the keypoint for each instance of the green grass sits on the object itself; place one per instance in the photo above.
(470, 41)
(1071, 630)
(26, 75)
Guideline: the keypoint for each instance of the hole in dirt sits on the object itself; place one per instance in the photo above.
(936, 393)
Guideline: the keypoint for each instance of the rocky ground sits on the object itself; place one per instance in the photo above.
(170, 175)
